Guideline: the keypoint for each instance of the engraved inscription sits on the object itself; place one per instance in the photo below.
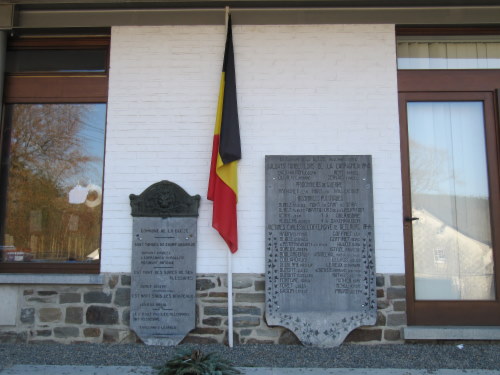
(163, 278)
(320, 245)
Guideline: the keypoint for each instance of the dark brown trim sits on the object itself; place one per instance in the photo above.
(56, 89)
(446, 31)
(448, 80)
(68, 4)
(59, 43)
(66, 268)
(5, 136)
(407, 226)
(456, 313)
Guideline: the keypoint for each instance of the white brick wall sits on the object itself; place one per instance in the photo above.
(320, 89)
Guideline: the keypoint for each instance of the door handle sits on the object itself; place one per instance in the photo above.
(411, 218)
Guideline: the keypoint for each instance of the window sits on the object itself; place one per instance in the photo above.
(448, 53)
(448, 83)
(53, 155)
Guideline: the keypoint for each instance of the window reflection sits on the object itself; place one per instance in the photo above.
(453, 258)
(55, 173)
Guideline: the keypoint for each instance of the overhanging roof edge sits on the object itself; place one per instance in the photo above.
(67, 18)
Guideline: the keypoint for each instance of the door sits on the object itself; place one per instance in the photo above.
(451, 207)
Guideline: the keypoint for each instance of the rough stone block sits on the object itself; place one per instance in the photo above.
(28, 316)
(250, 297)
(288, 338)
(42, 299)
(363, 335)
(204, 284)
(247, 310)
(396, 319)
(46, 293)
(258, 341)
(97, 297)
(74, 315)
(242, 282)
(70, 298)
(380, 280)
(207, 331)
(380, 293)
(398, 280)
(382, 304)
(28, 292)
(198, 340)
(110, 335)
(268, 332)
(396, 293)
(246, 321)
(13, 337)
(246, 332)
(126, 280)
(113, 281)
(49, 314)
(217, 295)
(43, 332)
(214, 322)
(126, 317)
(92, 332)
(64, 332)
(399, 305)
(392, 334)
(381, 320)
(122, 297)
(260, 285)
(214, 310)
(101, 315)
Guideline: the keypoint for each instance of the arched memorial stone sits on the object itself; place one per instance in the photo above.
(320, 261)
(163, 285)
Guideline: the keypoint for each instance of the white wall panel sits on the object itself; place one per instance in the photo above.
(307, 89)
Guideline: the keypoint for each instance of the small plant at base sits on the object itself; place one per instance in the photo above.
(195, 362)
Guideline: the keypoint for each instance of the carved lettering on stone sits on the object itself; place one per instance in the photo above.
(320, 261)
(163, 285)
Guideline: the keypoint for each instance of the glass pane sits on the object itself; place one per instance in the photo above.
(453, 257)
(55, 173)
(448, 55)
(83, 60)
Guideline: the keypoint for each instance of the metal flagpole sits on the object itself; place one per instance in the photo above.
(229, 267)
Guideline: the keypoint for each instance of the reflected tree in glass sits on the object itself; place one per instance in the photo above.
(53, 149)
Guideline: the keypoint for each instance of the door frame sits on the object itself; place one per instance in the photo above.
(451, 85)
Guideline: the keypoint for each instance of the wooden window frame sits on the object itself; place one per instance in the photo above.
(52, 88)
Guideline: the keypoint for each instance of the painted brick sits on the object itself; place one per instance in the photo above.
(313, 89)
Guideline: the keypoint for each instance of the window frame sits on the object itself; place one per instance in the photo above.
(51, 88)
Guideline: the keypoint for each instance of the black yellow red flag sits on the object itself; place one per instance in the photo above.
(223, 183)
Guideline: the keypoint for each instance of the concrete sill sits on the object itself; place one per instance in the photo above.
(451, 333)
(64, 279)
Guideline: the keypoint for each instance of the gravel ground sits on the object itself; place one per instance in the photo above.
(407, 356)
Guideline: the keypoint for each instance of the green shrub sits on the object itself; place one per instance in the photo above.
(195, 362)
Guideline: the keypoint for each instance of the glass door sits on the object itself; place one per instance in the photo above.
(451, 195)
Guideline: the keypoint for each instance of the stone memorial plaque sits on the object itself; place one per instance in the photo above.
(163, 289)
(320, 261)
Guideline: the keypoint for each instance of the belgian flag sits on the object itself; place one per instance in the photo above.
(223, 183)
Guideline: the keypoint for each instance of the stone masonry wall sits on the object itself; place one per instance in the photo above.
(71, 314)
(101, 313)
